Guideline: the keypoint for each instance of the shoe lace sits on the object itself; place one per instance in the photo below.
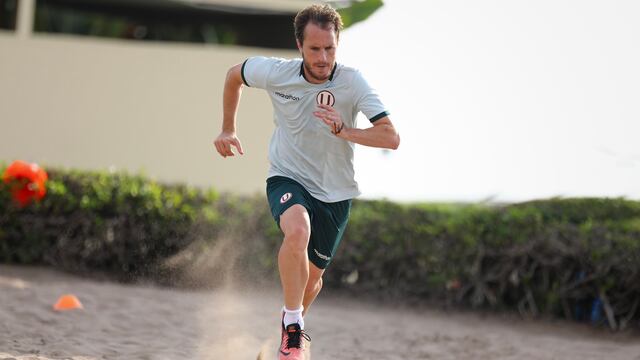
(294, 337)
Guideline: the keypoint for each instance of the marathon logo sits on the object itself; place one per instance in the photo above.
(287, 96)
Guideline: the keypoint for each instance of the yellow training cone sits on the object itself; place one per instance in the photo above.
(67, 302)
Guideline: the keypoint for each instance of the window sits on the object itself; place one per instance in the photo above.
(165, 21)
(8, 13)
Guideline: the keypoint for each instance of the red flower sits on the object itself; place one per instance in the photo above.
(26, 182)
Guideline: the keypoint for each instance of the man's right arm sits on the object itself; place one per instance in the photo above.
(230, 101)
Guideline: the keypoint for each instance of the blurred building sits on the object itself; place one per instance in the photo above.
(136, 85)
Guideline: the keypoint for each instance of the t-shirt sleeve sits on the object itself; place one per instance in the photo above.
(367, 99)
(256, 71)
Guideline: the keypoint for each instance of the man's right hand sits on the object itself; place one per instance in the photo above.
(224, 141)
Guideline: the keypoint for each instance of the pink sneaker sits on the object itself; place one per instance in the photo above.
(292, 345)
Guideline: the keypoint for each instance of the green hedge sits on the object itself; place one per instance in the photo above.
(116, 223)
(571, 258)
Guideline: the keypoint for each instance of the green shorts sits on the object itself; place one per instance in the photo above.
(328, 220)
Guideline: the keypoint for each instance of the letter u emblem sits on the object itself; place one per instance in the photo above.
(326, 98)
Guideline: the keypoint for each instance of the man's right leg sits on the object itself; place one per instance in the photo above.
(293, 262)
(293, 265)
(289, 203)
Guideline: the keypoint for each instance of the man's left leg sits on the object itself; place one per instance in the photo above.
(314, 285)
(327, 227)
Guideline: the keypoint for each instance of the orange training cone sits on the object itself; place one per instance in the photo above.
(67, 302)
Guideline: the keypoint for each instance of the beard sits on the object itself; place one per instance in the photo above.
(315, 75)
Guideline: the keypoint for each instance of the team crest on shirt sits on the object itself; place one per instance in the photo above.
(285, 198)
(325, 97)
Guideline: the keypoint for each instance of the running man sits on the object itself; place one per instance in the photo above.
(311, 179)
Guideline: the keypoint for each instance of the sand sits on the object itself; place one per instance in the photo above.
(146, 322)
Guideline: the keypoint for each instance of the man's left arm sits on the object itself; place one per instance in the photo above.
(382, 134)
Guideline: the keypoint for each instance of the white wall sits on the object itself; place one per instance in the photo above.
(154, 107)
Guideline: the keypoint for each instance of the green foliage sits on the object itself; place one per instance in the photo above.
(551, 257)
(359, 11)
(112, 222)
(580, 210)
(541, 257)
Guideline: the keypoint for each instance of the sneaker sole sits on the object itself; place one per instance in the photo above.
(267, 353)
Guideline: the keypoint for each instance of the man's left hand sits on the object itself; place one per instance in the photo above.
(330, 117)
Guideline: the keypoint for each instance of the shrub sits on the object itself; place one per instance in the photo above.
(572, 258)
(92, 220)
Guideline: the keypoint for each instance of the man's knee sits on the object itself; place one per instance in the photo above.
(296, 226)
(298, 232)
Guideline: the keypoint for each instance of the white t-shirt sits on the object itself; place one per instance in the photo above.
(302, 146)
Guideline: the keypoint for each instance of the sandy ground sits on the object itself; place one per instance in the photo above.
(145, 322)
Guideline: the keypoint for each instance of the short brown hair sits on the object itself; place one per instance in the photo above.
(321, 15)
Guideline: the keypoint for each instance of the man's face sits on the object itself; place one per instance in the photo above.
(318, 52)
